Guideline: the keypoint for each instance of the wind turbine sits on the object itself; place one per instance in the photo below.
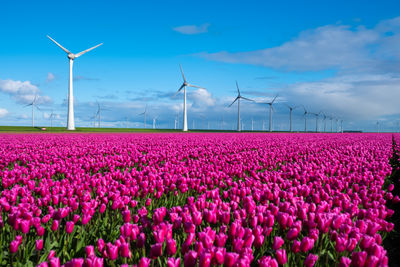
(324, 121)
(270, 111)
(239, 96)
(154, 122)
(98, 114)
(183, 86)
(34, 105)
(331, 118)
(52, 115)
(144, 113)
(291, 108)
(94, 119)
(71, 56)
(341, 125)
(316, 121)
(305, 119)
(252, 124)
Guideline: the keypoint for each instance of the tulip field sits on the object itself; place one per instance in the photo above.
(197, 199)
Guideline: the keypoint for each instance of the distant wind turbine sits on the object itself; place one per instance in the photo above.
(98, 113)
(183, 86)
(52, 115)
(71, 56)
(324, 121)
(34, 105)
(270, 111)
(305, 119)
(144, 113)
(291, 108)
(154, 122)
(239, 96)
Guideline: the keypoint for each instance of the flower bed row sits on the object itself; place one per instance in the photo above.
(194, 199)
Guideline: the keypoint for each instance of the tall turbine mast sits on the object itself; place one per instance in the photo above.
(305, 119)
(270, 111)
(34, 105)
(239, 96)
(144, 113)
(71, 56)
(291, 108)
(183, 86)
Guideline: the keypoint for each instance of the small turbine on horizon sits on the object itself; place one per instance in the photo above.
(71, 56)
(305, 119)
(34, 105)
(270, 111)
(144, 113)
(183, 86)
(154, 122)
(291, 108)
(239, 96)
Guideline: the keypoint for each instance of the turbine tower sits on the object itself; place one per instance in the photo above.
(71, 56)
(290, 115)
(52, 115)
(270, 111)
(305, 119)
(239, 96)
(34, 105)
(183, 86)
(98, 113)
(154, 122)
(144, 113)
(324, 121)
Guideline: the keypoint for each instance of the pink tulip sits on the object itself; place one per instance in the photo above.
(54, 262)
(156, 250)
(144, 262)
(69, 227)
(278, 242)
(310, 260)
(281, 256)
(39, 244)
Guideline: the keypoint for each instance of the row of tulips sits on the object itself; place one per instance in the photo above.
(195, 199)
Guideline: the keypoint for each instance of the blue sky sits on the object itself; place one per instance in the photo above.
(337, 57)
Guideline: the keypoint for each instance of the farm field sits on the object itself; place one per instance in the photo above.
(198, 199)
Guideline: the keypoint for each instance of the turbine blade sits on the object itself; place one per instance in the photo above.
(274, 99)
(234, 101)
(195, 86)
(65, 50)
(87, 50)
(237, 87)
(180, 88)
(183, 75)
(28, 105)
(248, 99)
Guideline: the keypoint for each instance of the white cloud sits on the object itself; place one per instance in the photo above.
(318, 49)
(366, 60)
(3, 112)
(201, 98)
(50, 77)
(23, 92)
(192, 29)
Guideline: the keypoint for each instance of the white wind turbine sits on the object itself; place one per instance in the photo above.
(305, 119)
(144, 113)
(71, 56)
(52, 115)
(154, 122)
(239, 96)
(183, 86)
(291, 108)
(34, 105)
(98, 114)
(270, 111)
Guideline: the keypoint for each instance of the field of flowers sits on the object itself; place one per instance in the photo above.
(195, 199)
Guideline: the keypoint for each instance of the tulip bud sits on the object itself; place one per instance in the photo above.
(39, 244)
(171, 247)
(69, 227)
(281, 256)
(310, 260)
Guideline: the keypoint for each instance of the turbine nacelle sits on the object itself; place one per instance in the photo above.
(71, 56)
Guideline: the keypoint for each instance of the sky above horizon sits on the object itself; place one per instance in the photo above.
(339, 58)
